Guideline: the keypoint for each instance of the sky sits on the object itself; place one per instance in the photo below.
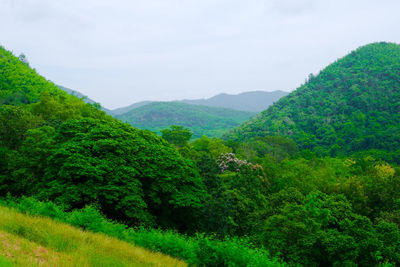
(121, 52)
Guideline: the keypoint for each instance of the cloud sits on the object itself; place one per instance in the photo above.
(293, 7)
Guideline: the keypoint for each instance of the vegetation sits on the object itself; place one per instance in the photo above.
(296, 183)
(351, 105)
(201, 120)
(38, 241)
(200, 250)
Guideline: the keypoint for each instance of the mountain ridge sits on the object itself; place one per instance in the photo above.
(254, 101)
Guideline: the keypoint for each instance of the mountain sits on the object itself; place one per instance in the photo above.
(120, 111)
(201, 120)
(351, 105)
(255, 101)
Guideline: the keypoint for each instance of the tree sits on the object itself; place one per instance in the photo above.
(23, 58)
(133, 175)
(177, 135)
(14, 122)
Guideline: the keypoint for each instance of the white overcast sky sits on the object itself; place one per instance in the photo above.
(120, 52)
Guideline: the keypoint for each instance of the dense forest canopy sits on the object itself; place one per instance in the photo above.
(352, 105)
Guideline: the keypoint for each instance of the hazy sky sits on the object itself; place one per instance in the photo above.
(120, 52)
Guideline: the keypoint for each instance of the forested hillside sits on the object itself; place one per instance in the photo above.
(352, 105)
(201, 120)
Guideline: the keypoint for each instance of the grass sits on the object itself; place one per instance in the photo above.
(198, 250)
(38, 241)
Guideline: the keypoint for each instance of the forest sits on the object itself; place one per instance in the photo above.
(313, 180)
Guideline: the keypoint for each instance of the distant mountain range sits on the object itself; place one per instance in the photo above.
(120, 111)
(254, 101)
(211, 117)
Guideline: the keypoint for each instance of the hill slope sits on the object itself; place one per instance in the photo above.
(120, 111)
(255, 101)
(32, 241)
(351, 105)
(20, 84)
(202, 120)
(85, 98)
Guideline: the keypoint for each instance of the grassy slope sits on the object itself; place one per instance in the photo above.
(201, 120)
(33, 241)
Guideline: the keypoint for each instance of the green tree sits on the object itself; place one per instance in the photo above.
(132, 174)
(14, 122)
(177, 135)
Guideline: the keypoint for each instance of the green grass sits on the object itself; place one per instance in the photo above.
(197, 250)
(5, 262)
(37, 241)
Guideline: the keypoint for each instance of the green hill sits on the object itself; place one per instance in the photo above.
(38, 241)
(120, 111)
(202, 120)
(351, 105)
(20, 84)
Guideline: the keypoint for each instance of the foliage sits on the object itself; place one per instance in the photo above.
(132, 174)
(199, 250)
(177, 135)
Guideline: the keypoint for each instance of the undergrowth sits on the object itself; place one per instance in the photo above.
(199, 250)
